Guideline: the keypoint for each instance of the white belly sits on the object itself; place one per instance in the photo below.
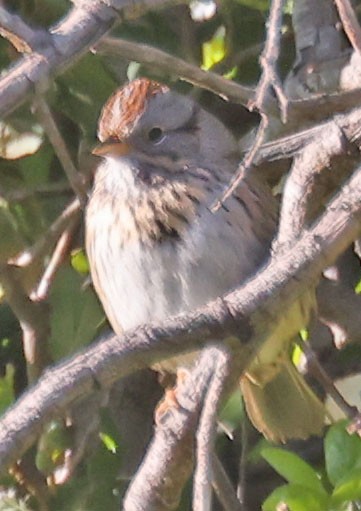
(153, 282)
(143, 281)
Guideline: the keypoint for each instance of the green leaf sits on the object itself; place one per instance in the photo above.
(231, 74)
(293, 468)
(6, 388)
(214, 51)
(297, 355)
(52, 446)
(255, 454)
(297, 498)
(79, 261)
(76, 313)
(232, 411)
(358, 288)
(109, 442)
(348, 488)
(342, 452)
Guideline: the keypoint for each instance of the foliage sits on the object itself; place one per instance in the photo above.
(34, 192)
(333, 487)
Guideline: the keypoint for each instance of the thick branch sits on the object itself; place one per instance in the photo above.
(315, 108)
(348, 125)
(85, 25)
(21, 35)
(89, 21)
(167, 63)
(33, 318)
(255, 313)
(68, 40)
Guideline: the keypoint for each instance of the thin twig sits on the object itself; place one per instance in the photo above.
(269, 78)
(350, 23)
(47, 120)
(172, 65)
(44, 244)
(244, 165)
(315, 369)
(206, 431)
(268, 61)
(47, 189)
(223, 487)
(241, 486)
(42, 289)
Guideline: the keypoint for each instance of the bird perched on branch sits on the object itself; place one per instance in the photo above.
(156, 249)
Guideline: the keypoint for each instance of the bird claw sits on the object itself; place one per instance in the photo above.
(170, 401)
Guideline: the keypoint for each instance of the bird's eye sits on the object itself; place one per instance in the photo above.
(155, 135)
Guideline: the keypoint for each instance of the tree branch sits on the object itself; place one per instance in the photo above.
(87, 22)
(33, 318)
(22, 36)
(68, 40)
(165, 62)
(269, 60)
(46, 118)
(43, 245)
(257, 312)
(350, 23)
(206, 431)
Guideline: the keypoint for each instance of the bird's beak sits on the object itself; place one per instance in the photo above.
(112, 148)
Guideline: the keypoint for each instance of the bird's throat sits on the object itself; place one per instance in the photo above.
(146, 214)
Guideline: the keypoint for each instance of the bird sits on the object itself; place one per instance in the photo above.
(157, 249)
